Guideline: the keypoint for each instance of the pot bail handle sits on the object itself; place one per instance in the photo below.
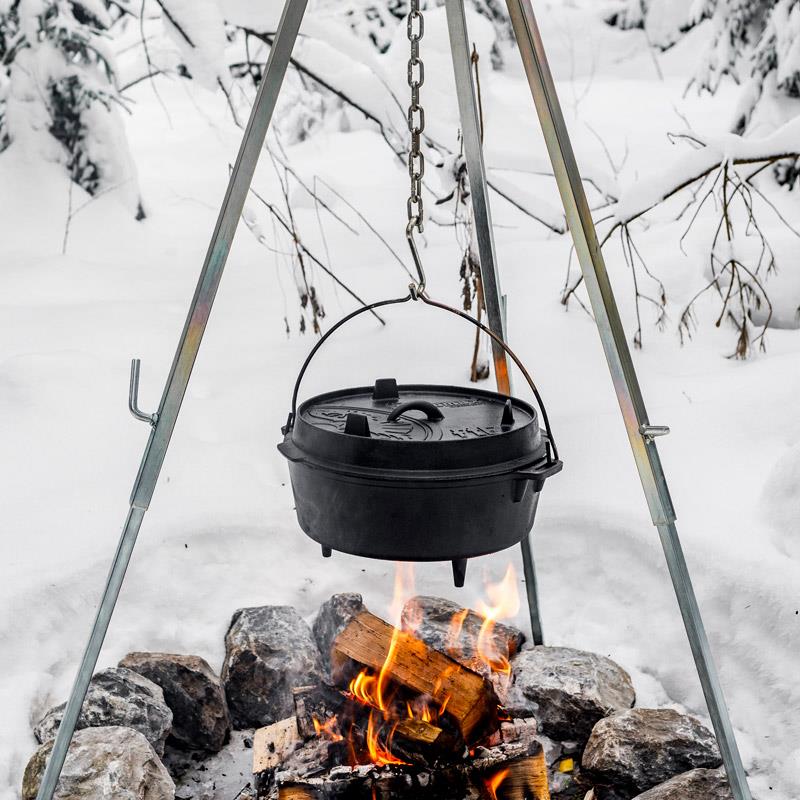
(432, 412)
(321, 341)
(415, 294)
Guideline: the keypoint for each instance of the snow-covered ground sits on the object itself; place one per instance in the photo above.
(221, 532)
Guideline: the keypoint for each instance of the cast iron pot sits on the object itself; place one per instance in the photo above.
(416, 472)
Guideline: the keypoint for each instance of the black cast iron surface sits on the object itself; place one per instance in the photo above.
(416, 472)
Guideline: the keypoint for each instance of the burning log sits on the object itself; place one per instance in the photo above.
(520, 778)
(398, 658)
(319, 708)
(506, 772)
(298, 792)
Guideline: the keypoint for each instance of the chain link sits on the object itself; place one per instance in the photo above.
(416, 115)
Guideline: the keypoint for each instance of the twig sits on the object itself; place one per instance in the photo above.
(369, 225)
(285, 225)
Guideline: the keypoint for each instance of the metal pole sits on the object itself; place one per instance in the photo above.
(640, 433)
(490, 277)
(164, 420)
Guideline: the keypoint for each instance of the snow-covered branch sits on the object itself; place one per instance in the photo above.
(738, 261)
(706, 158)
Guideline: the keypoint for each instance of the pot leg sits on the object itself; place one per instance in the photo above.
(459, 572)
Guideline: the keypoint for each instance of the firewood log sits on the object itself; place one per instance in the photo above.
(321, 702)
(295, 792)
(523, 777)
(366, 642)
(522, 768)
(273, 744)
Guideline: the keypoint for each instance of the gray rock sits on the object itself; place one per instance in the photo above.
(644, 747)
(453, 629)
(117, 696)
(268, 652)
(699, 784)
(567, 690)
(221, 776)
(333, 617)
(194, 694)
(104, 763)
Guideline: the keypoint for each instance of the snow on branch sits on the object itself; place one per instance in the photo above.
(740, 255)
(707, 157)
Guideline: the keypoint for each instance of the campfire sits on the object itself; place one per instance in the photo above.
(402, 718)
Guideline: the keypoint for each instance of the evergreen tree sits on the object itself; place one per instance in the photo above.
(58, 97)
(756, 43)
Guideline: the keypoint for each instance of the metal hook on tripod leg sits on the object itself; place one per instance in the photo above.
(133, 395)
(416, 289)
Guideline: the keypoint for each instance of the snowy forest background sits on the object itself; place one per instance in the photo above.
(119, 120)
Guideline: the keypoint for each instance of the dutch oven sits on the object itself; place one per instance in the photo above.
(416, 472)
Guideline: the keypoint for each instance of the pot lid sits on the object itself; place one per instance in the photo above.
(418, 427)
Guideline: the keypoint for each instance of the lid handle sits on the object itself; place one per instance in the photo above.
(356, 425)
(432, 412)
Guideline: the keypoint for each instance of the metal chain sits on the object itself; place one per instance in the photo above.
(416, 116)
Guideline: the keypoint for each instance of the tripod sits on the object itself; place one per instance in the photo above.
(641, 433)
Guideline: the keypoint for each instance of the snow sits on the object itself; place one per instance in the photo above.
(198, 30)
(221, 532)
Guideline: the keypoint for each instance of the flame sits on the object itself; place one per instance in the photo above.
(376, 690)
(493, 783)
(454, 632)
(328, 729)
(403, 589)
(379, 754)
(504, 599)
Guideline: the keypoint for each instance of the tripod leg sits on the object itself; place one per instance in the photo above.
(164, 421)
(479, 193)
(532, 589)
(490, 277)
(626, 384)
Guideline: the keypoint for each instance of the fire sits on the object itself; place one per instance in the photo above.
(328, 729)
(504, 599)
(376, 690)
(379, 754)
(454, 632)
(494, 783)
(388, 704)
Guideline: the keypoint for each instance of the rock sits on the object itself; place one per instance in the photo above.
(644, 747)
(221, 776)
(332, 618)
(104, 763)
(268, 652)
(194, 694)
(567, 690)
(699, 784)
(453, 629)
(117, 696)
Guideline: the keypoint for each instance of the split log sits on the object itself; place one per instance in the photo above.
(274, 744)
(415, 730)
(366, 642)
(521, 779)
(321, 702)
(514, 730)
(295, 792)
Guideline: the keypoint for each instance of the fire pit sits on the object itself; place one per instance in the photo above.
(401, 719)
